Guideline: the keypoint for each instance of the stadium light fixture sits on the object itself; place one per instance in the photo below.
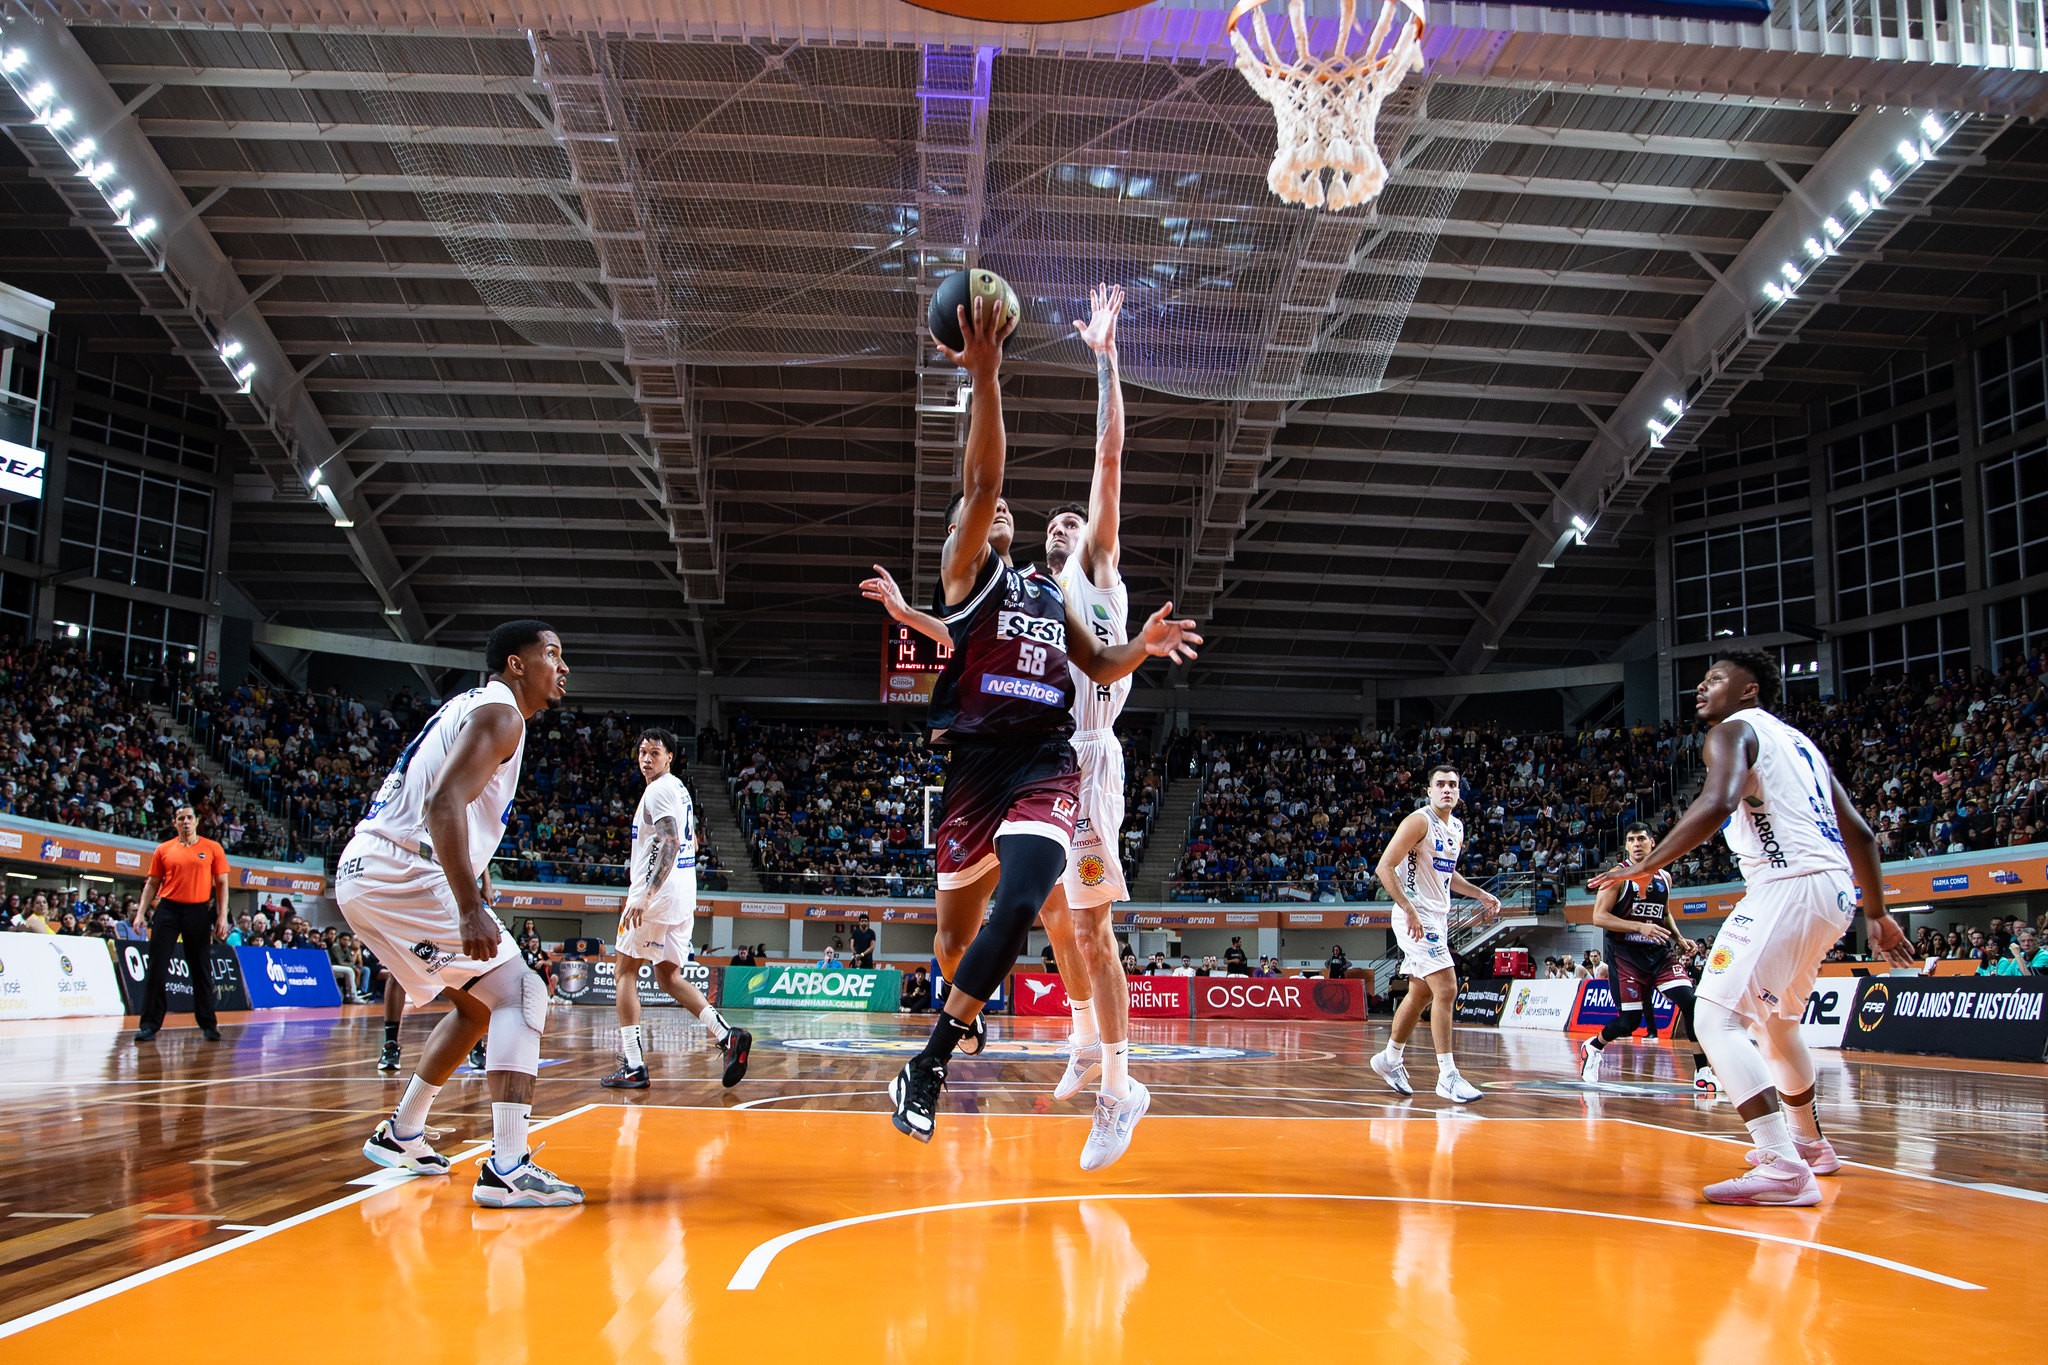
(1908, 152)
(1858, 202)
(1815, 249)
(1879, 181)
(12, 61)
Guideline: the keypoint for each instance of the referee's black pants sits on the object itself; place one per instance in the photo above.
(169, 921)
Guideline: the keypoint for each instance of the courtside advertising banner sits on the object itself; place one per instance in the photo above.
(1152, 997)
(594, 981)
(131, 959)
(1997, 1018)
(812, 988)
(1596, 1008)
(55, 976)
(1827, 1010)
(288, 978)
(1481, 1002)
(1540, 1004)
(1293, 997)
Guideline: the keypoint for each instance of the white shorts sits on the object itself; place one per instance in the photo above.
(658, 940)
(1432, 952)
(1768, 952)
(1095, 865)
(401, 907)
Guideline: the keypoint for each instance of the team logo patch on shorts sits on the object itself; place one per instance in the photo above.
(1719, 959)
(433, 956)
(1092, 871)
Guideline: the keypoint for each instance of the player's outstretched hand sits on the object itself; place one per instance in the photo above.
(1172, 639)
(981, 348)
(1105, 301)
(1613, 876)
(1889, 941)
(882, 588)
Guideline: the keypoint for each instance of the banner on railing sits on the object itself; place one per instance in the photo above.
(288, 978)
(132, 960)
(55, 976)
(595, 981)
(812, 988)
(1292, 997)
(1998, 1018)
(1540, 1004)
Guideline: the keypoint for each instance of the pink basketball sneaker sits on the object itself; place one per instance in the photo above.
(1770, 1180)
(1819, 1156)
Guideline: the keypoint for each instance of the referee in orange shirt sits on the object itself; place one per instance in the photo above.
(188, 890)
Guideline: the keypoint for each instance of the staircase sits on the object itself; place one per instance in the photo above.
(716, 820)
(238, 796)
(1169, 839)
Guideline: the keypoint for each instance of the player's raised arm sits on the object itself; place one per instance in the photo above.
(981, 470)
(1100, 548)
(1729, 751)
(493, 735)
(1161, 637)
(1886, 937)
(883, 588)
(1407, 835)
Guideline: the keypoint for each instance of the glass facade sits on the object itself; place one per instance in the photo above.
(2016, 515)
(131, 526)
(1922, 650)
(2012, 382)
(1755, 579)
(1899, 548)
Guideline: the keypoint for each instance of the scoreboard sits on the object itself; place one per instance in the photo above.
(911, 664)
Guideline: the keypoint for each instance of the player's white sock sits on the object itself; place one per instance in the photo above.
(1803, 1119)
(1084, 1022)
(1773, 1135)
(508, 1135)
(1116, 1069)
(1446, 1064)
(711, 1020)
(1394, 1050)
(629, 1045)
(409, 1119)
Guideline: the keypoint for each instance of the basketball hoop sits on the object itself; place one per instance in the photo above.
(1326, 109)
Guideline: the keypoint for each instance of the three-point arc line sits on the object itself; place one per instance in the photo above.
(756, 1264)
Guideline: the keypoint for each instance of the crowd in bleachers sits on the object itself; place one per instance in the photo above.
(839, 809)
(82, 748)
(317, 758)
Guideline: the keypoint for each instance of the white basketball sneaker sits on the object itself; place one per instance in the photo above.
(412, 1155)
(1589, 1062)
(1082, 1064)
(1393, 1071)
(1705, 1086)
(1456, 1088)
(1109, 1137)
(1770, 1179)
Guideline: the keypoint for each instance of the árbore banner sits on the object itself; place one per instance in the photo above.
(1596, 1008)
(288, 978)
(131, 961)
(595, 981)
(1998, 1018)
(55, 976)
(1481, 1002)
(1540, 1004)
(811, 988)
(1291, 997)
(1152, 997)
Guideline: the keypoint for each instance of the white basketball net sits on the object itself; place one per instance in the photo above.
(1327, 108)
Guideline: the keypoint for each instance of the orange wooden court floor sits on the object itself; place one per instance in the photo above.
(1446, 1232)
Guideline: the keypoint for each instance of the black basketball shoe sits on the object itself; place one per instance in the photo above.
(738, 1043)
(387, 1060)
(476, 1056)
(626, 1078)
(915, 1093)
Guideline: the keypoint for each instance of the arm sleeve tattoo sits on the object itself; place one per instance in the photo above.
(661, 851)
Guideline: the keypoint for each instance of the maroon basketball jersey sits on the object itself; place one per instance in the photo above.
(1008, 679)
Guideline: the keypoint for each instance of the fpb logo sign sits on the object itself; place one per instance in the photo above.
(1876, 1001)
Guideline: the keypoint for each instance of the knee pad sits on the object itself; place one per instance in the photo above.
(1032, 865)
(1785, 1051)
(1736, 1062)
(519, 1011)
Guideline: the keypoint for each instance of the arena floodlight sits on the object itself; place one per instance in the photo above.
(1908, 152)
(142, 229)
(1834, 230)
(14, 59)
(1881, 181)
(1815, 249)
(1931, 126)
(1858, 202)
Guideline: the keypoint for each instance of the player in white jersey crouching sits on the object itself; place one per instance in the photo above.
(661, 905)
(1420, 871)
(414, 885)
(1805, 850)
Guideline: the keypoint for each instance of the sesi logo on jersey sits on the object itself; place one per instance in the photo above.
(1011, 625)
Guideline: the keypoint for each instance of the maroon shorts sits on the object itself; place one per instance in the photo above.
(995, 790)
(1633, 976)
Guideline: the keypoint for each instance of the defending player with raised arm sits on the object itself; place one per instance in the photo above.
(414, 884)
(1642, 960)
(1419, 870)
(661, 907)
(1002, 707)
(1805, 851)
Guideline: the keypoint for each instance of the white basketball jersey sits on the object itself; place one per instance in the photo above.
(1108, 615)
(665, 795)
(1427, 874)
(400, 811)
(1786, 825)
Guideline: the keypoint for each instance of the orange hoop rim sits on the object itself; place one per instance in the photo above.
(1245, 7)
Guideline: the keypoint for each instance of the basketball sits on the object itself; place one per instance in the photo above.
(956, 292)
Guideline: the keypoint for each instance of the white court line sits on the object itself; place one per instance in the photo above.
(805, 1095)
(757, 1261)
(137, 1280)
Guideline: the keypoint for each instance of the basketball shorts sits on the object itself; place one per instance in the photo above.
(993, 790)
(1767, 954)
(1095, 865)
(1429, 954)
(1637, 969)
(663, 933)
(401, 907)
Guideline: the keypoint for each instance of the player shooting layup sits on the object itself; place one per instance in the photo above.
(1804, 851)
(1082, 551)
(661, 904)
(1003, 708)
(1420, 871)
(413, 883)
